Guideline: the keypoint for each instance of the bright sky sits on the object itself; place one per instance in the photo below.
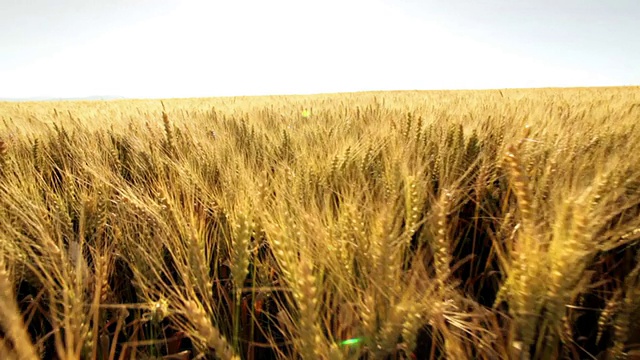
(193, 48)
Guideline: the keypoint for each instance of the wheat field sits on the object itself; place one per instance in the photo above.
(381, 225)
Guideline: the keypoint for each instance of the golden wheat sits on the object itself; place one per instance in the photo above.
(371, 225)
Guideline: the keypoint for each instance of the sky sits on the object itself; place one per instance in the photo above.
(201, 48)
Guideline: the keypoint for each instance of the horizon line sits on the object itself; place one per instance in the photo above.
(117, 97)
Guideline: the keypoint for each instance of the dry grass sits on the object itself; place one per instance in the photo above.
(458, 225)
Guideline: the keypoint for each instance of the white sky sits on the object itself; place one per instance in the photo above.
(194, 48)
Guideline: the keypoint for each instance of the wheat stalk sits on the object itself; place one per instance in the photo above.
(11, 319)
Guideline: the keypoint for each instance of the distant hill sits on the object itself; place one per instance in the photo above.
(44, 98)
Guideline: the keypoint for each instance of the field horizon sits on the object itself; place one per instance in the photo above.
(343, 93)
